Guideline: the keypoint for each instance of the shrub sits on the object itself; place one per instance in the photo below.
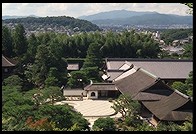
(105, 124)
(13, 80)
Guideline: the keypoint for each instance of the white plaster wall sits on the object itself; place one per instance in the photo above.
(92, 97)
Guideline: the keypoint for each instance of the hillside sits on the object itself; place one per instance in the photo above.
(116, 14)
(65, 21)
(15, 17)
(123, 17)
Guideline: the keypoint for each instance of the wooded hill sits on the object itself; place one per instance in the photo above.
(65, 21)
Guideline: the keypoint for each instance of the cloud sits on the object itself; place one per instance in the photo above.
(79, 9)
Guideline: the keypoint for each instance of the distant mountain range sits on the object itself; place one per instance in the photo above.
(15, 17)
(124, 17)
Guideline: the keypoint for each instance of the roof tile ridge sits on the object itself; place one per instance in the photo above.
(8, 61)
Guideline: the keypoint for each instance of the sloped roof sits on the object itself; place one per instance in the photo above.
(73, 66)
(157, 91)
(163, 68)
(7, 62)
(101, 86)
(126, 66)
(74, 92)
(114, 74)
(125, 74)
(148, 96)
(170, 108)
(136, 82)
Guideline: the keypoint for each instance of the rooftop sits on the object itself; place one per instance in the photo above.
(163, 68)
(172, 107)
(7, 62)
(136, 82)
(73, 66)
(100, 86)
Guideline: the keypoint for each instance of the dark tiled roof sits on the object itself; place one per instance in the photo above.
(163, 68)
(148, 96)
(7, 62)
(157, 91)
(136, 82)
(100, 86)
(171, 107)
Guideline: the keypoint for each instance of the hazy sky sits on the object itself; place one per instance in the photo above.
(80, 9)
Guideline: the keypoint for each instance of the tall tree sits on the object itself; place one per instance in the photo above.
(19, 40)
(32, 48)
(40, 69)
(126, 106)
(93, 58)
(7, 48)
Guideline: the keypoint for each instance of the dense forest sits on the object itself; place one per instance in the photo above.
(68, 22)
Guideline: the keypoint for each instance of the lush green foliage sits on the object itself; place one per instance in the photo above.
(7, 47)
(188, 51)
(187, 87)
(13, 80)
(93, 58)
(20, 111)
(126, 106)
(104, 124)
(19, 40)
(170, 35)
(78, 79)
(69, 22)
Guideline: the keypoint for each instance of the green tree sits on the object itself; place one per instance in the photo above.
(92, 73)
(187, 125)
(19, 112)
(189, 83)
(19, 40)
(93, 58)
(188, 51)
(126, 106)
(40, 69)
(77, 80)
(104, 124)
(51, 79)
(53, 93)
(180, 87)
(13, 80)
(32, 48)
(185, 88)
(7, 48)
(168, 126)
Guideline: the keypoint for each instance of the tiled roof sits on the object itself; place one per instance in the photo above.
(114, 74)
(100, 86)
(124, 74)
(174, 107)
(73, 92)
(136, 82)
(163, 68)
(7, 62)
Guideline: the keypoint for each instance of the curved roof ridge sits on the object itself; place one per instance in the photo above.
(181, 94)
(6, 59)
(148, 73)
